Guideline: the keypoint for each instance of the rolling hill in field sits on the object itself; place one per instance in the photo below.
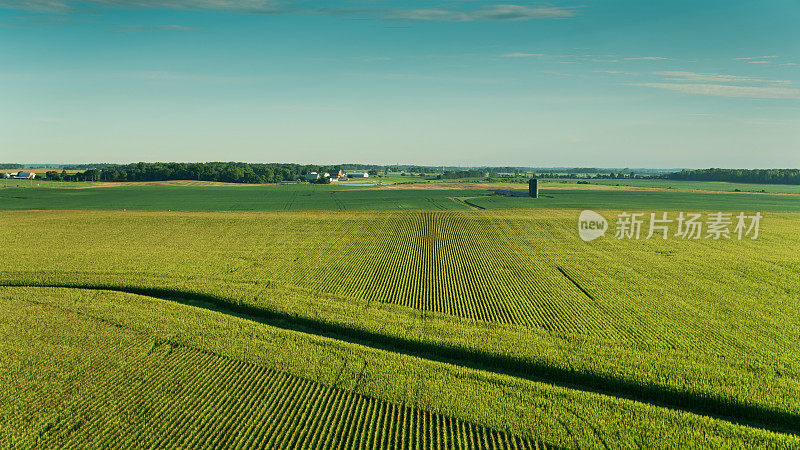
(499, 326)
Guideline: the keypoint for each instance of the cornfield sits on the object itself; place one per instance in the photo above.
(189, 398)
(705, 326)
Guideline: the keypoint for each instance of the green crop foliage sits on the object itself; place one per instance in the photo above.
(529, 316)
(685, 185)
(82, 382)
(341, 197)
(86, 362)
(648, 200)
(291, 197)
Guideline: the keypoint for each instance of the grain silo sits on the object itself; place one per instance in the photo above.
(533, 188)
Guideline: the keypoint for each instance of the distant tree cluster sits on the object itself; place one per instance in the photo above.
(10, 166)
(355, 167)
(454, 175)
(757, 176)
(621, 175)
(321, 180)
(230, 172)
(582, 170)
(238, 172)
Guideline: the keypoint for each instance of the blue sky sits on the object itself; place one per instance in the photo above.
(580, 83)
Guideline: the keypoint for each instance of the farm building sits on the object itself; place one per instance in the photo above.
(25, 175)
(335, 175)
(316, 176)
(358, 175)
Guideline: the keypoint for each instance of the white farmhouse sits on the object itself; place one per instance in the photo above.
(316, 176)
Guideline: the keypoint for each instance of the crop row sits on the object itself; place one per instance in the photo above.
(183, 397)
(455, 264)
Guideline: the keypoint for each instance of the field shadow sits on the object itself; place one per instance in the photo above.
(658, 395)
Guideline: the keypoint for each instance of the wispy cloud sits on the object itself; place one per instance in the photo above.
(647, 58)
(615, 72)
(39, 21)
(749, 58)
(577, 58)
(60, 6)
(174, 28)
(723, 85)
(602, 60)
(485, 13)
(768, 59)
(141, 28)
(715, 78)
(523, 55)
(497, 12)
(426, 78)
(726, 90)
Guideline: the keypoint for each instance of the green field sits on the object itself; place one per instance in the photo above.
(305, 197)
(500, 327)
(642, 200)
(68, 362)
(693, 185)
(293, 197)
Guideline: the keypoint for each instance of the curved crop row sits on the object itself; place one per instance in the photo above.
(183, 397)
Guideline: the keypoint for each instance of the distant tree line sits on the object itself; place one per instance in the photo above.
(378, 168)
(445, 169)
(230, 172)
(582, 170)
(10, 166)
(621, 175)
(355, 167)
(757, 176)
(238, 172)
(453, 175)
